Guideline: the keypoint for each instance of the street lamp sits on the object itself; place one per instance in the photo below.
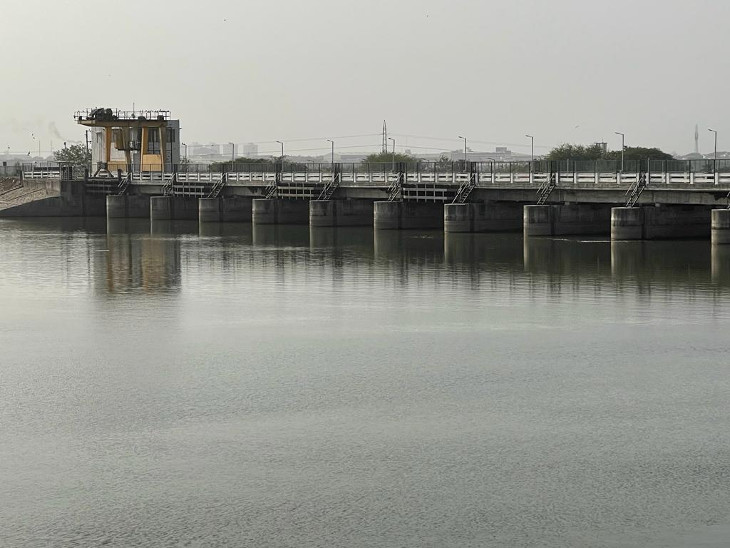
(460, 137)
(392, 167)
(186, 151)
(714, 158)
(623, 137)
(532, 149)
(282, 150)
(332, 157)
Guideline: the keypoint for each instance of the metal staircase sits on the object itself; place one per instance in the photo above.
(395, 189)
(636, 189)
(124, 184)
(467, 186)
(546, 188)
(218, 187)
(329, 187)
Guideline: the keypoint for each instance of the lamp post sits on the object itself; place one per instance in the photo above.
(186, 151)
(714, 157)
(282, 149)
(392, 167)
(233, 153)
(532, 150)
(332, 155)
(460, 137)
(623, 137)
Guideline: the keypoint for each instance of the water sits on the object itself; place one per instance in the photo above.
(271, 386)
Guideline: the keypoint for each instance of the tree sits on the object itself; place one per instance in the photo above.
(596, 151)
(389, 157)
(76, 155)
(640, 153)
(568, 151)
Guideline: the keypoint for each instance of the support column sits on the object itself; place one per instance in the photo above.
(171, 208)
(566, 219)
(116, 207)
(659, 222)
(341, 213)
(408, 215)
(127, 206)
(209, 210)
(483, 217)
(161, 208)
(266, 211)
(538, 220)
(720, 226)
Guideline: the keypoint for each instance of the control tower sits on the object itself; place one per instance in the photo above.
(137, 141)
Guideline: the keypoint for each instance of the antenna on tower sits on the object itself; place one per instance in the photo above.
(697, 140)
(384, 148)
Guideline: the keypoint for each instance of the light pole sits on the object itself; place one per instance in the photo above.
(186, 151)
(532, 150)
(460, 137)
(714, 158)
(332, 156)
(623, 146)
(392, 167)
(233, 153)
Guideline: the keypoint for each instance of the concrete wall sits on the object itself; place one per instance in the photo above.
(53, 198)
(127, 206)
(720, 226)
(341, 213)
(568, 219)
(232, 209)
(408, 215)
(483, 217)
(285, 212)
(173, 208)
(659, 222)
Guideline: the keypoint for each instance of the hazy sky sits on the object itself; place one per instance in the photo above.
(252, 70)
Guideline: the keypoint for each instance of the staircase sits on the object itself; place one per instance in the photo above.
(329, 188)
(217, 187)
(395, 188)
(636, 189)
(465, 189)
(124, 185)
(546, 188)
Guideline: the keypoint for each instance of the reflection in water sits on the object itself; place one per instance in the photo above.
(135, 261)
(721, 265)
(348, 358)
(649, 265)
(280, 235)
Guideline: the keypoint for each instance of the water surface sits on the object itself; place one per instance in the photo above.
(167, 384)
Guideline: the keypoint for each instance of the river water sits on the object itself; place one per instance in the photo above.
(230, 385)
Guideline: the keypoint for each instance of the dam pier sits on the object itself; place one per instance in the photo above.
(539, 198)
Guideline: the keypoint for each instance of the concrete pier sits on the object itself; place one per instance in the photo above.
(567, 219)
(341, 213)
(720, 226)
(172, 208)
(483, 217)
(659, 222)
(408, 215)
(274, 212)
(233, 209)
(127, 206)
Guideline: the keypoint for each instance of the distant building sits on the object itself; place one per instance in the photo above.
(250, 150)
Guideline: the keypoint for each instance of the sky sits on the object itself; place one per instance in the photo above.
(302, 72)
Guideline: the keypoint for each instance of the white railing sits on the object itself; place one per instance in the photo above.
(577, 179)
